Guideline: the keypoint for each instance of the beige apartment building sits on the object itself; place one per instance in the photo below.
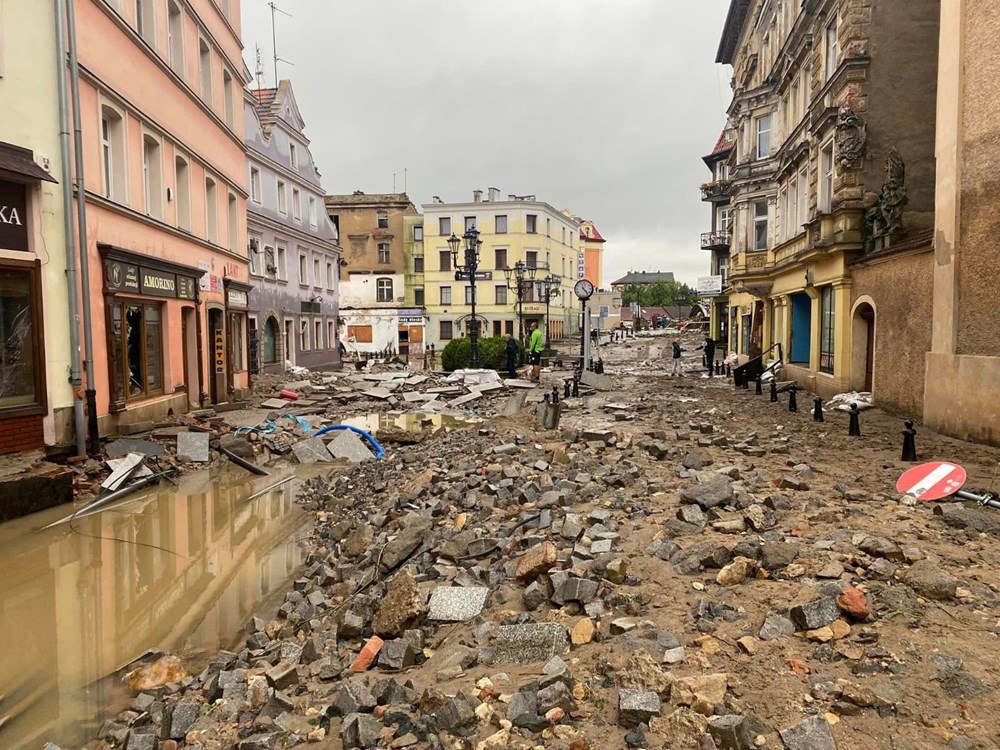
(518, 229)
(962, 386)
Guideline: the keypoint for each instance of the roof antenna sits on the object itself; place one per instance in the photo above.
(274, 40)
(260, 69)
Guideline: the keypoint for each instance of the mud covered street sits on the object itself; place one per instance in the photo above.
(681, 565)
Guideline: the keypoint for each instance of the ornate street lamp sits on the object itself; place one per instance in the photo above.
(467, 271)
(519, 274)
(550, 288)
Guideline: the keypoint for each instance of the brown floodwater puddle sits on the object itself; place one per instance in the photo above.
(178, 569)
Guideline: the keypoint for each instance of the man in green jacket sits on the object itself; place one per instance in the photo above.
(535, 346)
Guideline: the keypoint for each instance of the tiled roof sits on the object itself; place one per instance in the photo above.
(266, 107)
(637, 277)
(723, 144)
(594, 235)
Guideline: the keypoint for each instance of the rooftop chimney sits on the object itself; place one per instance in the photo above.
(477, 196)
(437, 199)
(494, 194)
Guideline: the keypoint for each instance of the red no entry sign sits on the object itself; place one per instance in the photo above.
(932, 481)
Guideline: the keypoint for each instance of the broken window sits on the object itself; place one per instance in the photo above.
(137, 341)
(18, 385)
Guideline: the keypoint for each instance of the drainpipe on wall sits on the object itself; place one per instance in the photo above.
(75, 379)
(81, 208)
(202, 395)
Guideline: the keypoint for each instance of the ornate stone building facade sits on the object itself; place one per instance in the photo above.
(832, 168)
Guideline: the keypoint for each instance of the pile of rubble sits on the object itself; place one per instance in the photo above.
(672, 581)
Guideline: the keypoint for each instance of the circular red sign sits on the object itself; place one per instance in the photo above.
(932, 481)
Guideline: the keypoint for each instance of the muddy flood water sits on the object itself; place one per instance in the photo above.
(178, 569)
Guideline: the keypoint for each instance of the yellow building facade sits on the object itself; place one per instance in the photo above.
(35, 394)
(518, 229)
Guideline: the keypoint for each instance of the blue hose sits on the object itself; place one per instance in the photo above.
(379, 451)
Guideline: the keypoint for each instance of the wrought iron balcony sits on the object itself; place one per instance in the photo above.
(715, 240)
(716, 189)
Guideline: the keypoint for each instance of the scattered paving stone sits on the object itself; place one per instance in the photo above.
(193, 446)
(122, 447)
(775, 626)
(456, 604)
(536, 561)
(733, 732)
(397, 654)
(778, 555)
(713, 491)
(282, 675)
(816, 614)
(360, 731)
(877, 546)
(930, 581)
(809, 734)
(637, 707)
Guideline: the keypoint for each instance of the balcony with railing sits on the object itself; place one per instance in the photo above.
(716, 189)
(718, 240)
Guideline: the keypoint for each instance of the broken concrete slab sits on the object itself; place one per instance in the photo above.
(349, 445)
(311, 451)
(121, 448)
(515, 404)
(380, 393)
(275, 403)
(193, 446)
(523, 644)
(456, 604)
(123, 469)
(595, 381)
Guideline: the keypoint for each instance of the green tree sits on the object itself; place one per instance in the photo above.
(660, 294)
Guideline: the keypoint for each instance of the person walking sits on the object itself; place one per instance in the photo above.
(511, 356)
(535, 346)
(709, 347)
(677, 359)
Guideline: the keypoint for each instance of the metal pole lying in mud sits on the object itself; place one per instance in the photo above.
(118, 495)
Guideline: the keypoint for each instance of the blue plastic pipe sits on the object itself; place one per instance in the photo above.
(379, 451)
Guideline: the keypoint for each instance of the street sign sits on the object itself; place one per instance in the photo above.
(932, 481)
(709, 285)
(480, 276)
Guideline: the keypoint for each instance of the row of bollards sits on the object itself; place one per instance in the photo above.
(909, 453)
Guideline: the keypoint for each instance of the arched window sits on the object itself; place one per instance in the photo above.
(270, 341)
(383, 290)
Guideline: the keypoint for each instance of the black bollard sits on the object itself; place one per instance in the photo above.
(759, 390)
(818, 410)
(909, 442)
(793, 404)
(774, 391)
(548, 398)
(855, 428)
(576, 386)
(568, 387)
(746, 381)
(555, 394)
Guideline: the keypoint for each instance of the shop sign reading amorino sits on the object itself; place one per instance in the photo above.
(137, 279)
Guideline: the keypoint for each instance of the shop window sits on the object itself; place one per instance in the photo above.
(827, 313)
(360, 334)
(271, 337)
(137, 339)
(236, 341)
(21, 377)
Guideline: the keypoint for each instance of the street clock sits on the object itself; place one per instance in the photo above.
(584, 289)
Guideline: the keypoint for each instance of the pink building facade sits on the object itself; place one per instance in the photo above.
(165, 171)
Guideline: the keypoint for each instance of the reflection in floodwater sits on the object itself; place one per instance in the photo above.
(410, 421)
(179, 569)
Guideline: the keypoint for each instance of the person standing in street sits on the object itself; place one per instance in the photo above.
(709, 347)
(677, 359)
(535, 346)
(511, 356)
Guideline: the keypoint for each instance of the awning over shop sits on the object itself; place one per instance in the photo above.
(20, 161)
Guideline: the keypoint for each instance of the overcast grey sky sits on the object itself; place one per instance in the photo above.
(603, 107)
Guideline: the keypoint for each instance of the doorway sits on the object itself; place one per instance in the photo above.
(863, 348)
(289, 343)
(189, 348)
(801, 343)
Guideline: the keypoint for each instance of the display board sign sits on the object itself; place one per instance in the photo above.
(710, 285)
